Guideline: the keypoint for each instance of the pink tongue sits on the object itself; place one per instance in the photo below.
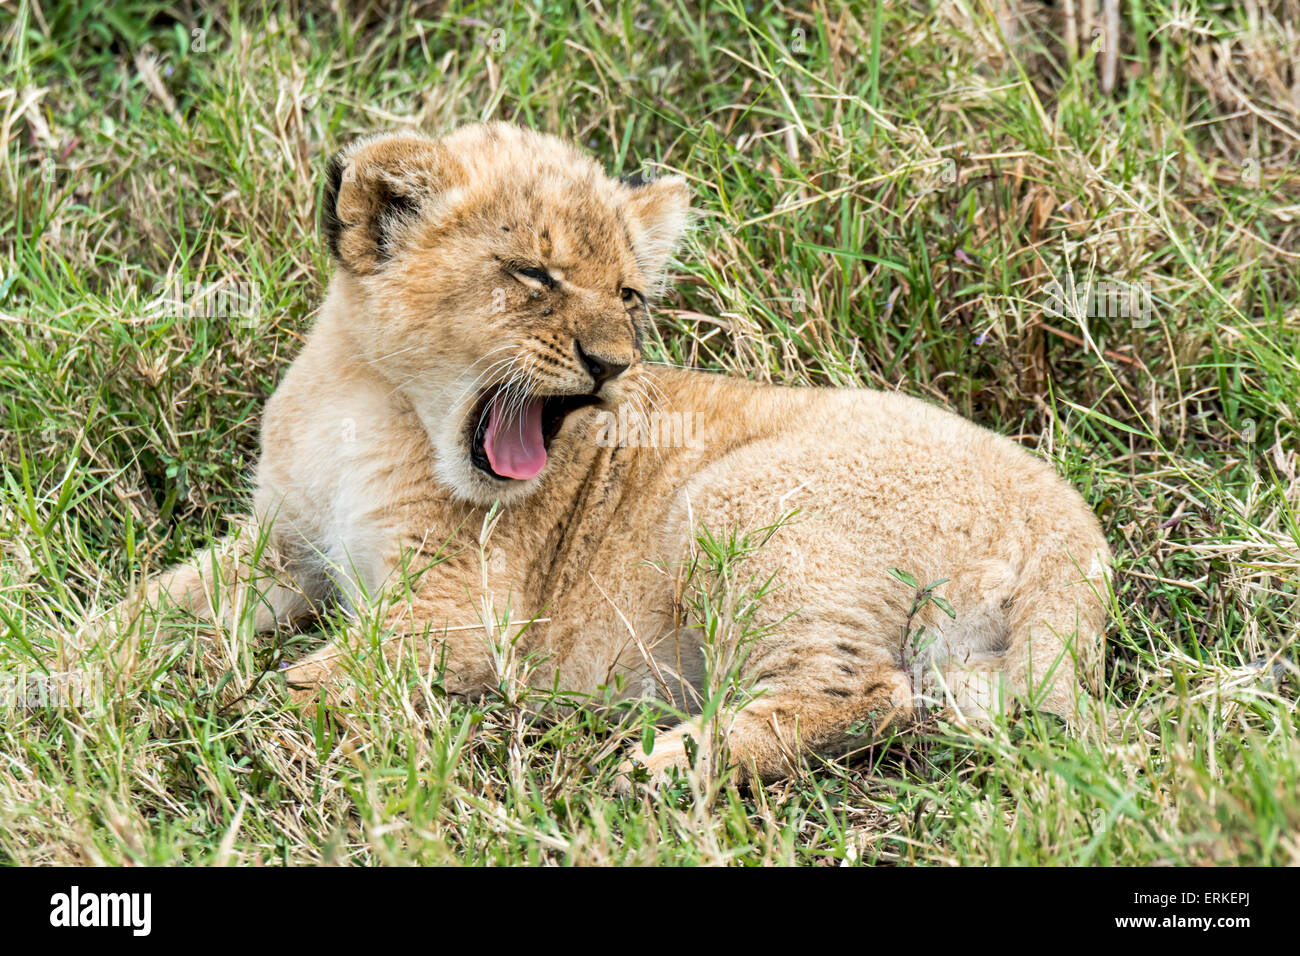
(513, 440)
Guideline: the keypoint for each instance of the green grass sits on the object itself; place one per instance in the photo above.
(886, 193)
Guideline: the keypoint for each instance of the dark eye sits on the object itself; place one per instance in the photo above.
(632, 297)
(537, 275)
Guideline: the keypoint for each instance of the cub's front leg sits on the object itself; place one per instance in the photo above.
(432, 633)
(248, 570)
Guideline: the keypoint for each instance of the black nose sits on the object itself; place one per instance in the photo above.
(602, 370)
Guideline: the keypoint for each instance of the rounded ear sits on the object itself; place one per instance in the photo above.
(373, 190)
(657, 212)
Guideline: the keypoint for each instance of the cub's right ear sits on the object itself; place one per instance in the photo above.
(375, 190)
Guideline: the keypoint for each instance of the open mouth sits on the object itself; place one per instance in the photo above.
(512, 435)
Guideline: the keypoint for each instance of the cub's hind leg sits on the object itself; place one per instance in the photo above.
(814, 693)
(1051, 658)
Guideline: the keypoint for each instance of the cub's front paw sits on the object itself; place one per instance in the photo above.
(306, 679)
(672, 751)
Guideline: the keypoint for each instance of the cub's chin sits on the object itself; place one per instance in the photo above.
(470, 484)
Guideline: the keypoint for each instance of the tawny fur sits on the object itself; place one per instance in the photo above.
(366, 469)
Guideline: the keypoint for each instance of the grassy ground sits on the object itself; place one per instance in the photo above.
(888, 192)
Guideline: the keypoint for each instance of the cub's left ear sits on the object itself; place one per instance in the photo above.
(375, 190)
(657, 213)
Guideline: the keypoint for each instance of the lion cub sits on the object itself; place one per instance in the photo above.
(481, 345)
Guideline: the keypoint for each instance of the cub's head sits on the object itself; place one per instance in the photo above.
(499, 280)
